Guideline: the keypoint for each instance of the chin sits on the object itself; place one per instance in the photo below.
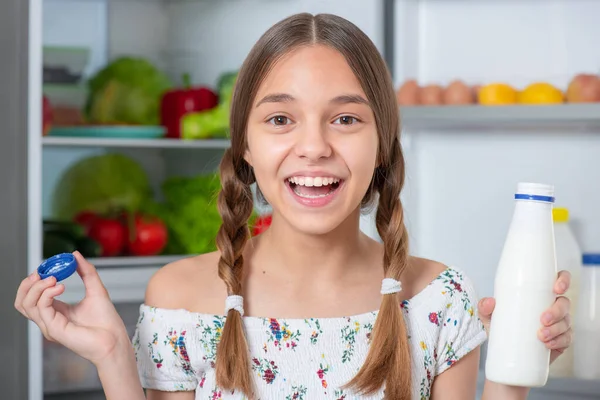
(316, 224)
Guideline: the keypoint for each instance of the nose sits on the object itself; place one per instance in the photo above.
(312, 142)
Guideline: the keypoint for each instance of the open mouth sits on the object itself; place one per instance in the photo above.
(309, 187)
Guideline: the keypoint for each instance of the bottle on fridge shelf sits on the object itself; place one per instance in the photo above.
(568, 257)
(523, 289)
(586, 341)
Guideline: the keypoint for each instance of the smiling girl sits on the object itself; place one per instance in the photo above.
(314, 309)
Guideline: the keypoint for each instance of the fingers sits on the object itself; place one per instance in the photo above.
(561, 342)
(563, 282)
(557, 312)
(89, 275)
(486, 306)
(50, 313)
(22, 291)
(485, 309)
(29, 303)
(547, 334)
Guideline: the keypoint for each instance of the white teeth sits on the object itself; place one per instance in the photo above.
(311, 196)
(313, 181)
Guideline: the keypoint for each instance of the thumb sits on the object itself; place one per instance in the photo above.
(486, 308)
(89, 275)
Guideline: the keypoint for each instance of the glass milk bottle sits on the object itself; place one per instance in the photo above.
(523, 289)
(568, 257)
(586, 340)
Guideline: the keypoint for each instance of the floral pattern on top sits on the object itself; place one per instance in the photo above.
(313, 358)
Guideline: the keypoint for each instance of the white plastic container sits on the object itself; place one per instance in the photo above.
(568, 257)
(586, 341)
(523, 289)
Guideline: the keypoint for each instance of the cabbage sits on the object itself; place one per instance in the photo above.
(127, 91)
(102, 184)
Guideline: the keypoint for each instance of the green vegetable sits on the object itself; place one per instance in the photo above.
(102, 184)
(88, 247)
(225, 85)
(127, 91)
(190, 213)
(56, 243)
(71, 229)
(214, 122)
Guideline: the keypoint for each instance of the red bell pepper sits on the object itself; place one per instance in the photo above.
(176, 103)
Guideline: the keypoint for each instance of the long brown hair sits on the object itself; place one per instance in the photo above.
(388, 360)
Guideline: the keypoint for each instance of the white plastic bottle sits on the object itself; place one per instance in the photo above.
(523, 289)
(568, 257)
(586, 340)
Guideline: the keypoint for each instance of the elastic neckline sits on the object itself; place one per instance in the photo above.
(260, 322)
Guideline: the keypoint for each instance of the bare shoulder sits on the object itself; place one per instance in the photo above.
(191, 283)
(420, 273)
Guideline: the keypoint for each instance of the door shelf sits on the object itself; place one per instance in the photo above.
(49, 141)
(572, 116)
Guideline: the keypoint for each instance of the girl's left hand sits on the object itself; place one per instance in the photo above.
(555, 331)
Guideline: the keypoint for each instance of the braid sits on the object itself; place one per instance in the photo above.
(235, 206)
(388, 360)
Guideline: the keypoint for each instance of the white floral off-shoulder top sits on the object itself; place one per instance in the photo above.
(307, 359)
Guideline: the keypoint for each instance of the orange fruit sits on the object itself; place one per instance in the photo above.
(496, 94)
(541, 93)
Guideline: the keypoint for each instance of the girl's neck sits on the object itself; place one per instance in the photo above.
(297, 255)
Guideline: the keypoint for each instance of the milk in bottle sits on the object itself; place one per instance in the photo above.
(523, 289)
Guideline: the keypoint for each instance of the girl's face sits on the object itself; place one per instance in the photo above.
(312, 139)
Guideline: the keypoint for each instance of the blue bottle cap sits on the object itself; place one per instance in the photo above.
(60, 266)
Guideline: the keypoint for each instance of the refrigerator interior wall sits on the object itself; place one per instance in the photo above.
(461, 181)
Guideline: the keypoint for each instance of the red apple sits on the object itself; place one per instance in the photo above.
(584, 88)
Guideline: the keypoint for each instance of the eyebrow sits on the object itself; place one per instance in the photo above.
(287, 98)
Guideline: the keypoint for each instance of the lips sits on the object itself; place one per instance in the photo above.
(314, 191)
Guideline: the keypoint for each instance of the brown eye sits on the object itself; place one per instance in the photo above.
(346, 120)
(279, 120)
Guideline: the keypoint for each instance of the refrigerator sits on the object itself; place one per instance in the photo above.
(463, 162)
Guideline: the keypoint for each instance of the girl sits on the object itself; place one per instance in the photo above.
(314, 123)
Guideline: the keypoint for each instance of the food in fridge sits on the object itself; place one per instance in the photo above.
(189, 210)
(431, 95)
(111, 233)
(103, 184)
(128, 91)
(584, 88)
(65, 237)
(458, 93)
(261, 224)
(541, 93)
(214, 122)
(408, 93)
(47, 115)
(147, 236)
(494, 94)
(179, 102)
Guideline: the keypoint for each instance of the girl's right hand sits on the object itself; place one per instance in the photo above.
(92, 328)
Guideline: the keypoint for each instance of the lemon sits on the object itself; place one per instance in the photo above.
(497, 94)
(541, 93)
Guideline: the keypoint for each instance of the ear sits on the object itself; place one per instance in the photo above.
(248, 157)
